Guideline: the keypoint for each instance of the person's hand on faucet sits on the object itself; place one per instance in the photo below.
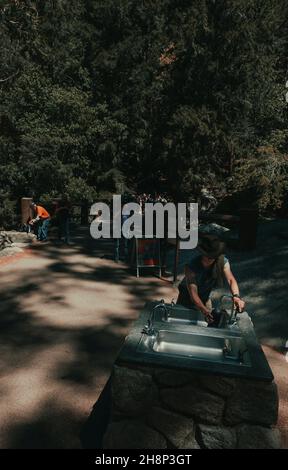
(239, 304)
(208, 315)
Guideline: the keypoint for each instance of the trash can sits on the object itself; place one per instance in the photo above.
(248, 228)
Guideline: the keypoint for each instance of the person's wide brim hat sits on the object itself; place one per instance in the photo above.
(211, 246)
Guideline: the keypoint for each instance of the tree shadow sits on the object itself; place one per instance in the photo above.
(46, 430)
(94, 348)
(26, 334)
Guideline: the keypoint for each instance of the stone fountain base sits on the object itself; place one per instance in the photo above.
(156, 408)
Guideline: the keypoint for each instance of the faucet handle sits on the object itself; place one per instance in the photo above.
(148, 328)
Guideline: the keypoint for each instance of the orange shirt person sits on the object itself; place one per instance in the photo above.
(43, 217)
(42, 213)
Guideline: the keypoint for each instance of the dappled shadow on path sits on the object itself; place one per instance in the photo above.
(64, 317)
(67, 350)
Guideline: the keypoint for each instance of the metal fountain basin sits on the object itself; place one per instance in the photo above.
(178, 314)
(178, 338)
(221, 348)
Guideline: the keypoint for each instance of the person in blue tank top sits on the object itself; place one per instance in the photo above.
(204, 273)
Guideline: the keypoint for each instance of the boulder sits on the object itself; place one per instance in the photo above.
(11, 250)
(194, 402)
(253, 402)
(258, 437)
(222, 386)
(190, 442)
(5, 241)
(132, 435)
(133, 392)
(166, 378)
(20, 237)
(178, 430)
(217, 437)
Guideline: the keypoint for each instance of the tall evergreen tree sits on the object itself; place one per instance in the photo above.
(101, 96)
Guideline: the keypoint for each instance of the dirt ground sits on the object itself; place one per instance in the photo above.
(65, 312)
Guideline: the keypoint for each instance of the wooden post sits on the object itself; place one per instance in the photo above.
(26, 211)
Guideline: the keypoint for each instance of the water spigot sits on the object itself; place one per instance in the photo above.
(149, 328)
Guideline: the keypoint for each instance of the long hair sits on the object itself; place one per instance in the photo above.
(218, 271)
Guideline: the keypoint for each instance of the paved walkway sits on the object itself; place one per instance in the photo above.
(65, 313)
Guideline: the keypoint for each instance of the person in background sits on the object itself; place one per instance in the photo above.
(121, 244)
(42, 219)
(62, 213)
(205, 272)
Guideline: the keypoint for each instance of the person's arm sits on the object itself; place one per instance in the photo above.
(193, 292)
(238, 302)
(35, 219)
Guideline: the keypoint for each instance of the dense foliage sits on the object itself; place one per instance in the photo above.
(101, 96)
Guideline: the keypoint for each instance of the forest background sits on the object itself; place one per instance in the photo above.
(113, 96)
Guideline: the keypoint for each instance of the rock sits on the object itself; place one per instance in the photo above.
(132, 435)
(258, 437)
(177, 429)
(143, 368)
(5, 241)
(190, 442)
(21, 245)
(20, 237)
(12, 250)
(217, 437)
(254, 402)
(201, 405)
(132, 391)
(222, 386)
(166, 378)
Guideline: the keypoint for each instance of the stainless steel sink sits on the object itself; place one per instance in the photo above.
(186, 318)
(221, 349)
(181, 315)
